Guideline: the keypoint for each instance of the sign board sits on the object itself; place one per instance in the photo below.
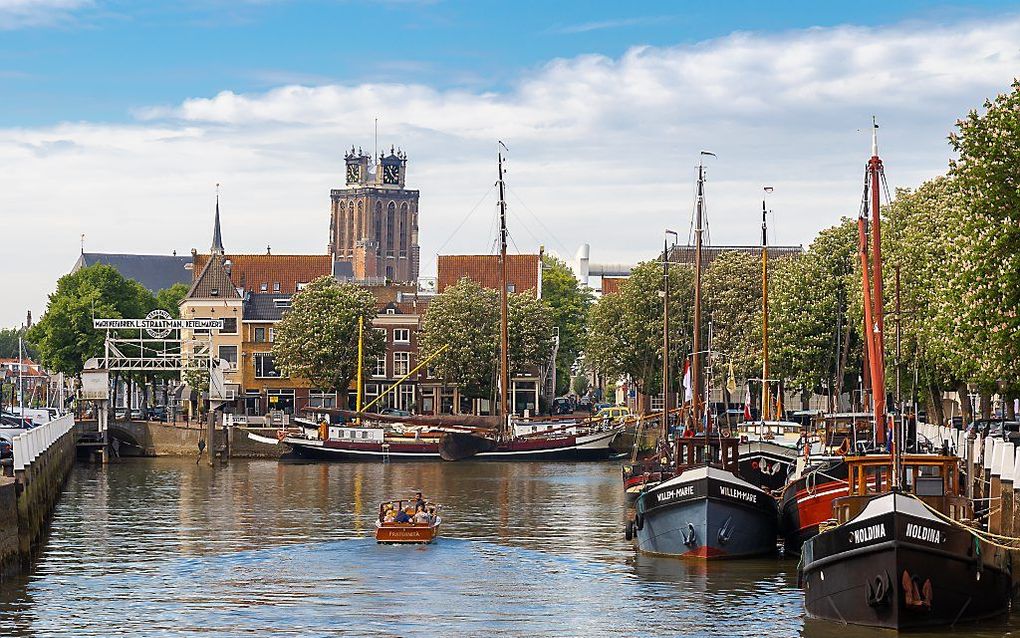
(95, 385)
(158, 324)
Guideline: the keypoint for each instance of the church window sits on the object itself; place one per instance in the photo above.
(391, 213)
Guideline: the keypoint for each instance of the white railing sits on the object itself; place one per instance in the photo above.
(28, 446)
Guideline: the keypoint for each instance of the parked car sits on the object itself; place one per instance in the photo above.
(562, 405)
(394, 412)
(612, 412)
(157, 413)
(6, 449)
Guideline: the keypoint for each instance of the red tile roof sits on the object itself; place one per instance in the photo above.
(251, 271)
(522, 271)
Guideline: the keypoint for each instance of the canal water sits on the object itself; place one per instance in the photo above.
(165, 547)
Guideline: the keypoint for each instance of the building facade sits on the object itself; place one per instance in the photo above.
(374, 219)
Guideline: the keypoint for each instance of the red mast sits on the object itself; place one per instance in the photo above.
(878, 309)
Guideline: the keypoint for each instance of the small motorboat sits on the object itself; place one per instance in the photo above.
(420, 530)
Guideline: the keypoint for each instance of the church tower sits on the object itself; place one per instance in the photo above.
(374, 218)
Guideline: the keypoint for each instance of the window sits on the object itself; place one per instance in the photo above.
(263, 287)
(401, 363)
(281, 303)
(510, 288)
(380, 367)
(272, 335)
(320, 399)
(229, 355)
(391, 311)
(265, 368)
(656, 402)
(259, 335)
(229, 326)
(214, 292)
(201, 331)
(301, 285)
(401, 335)
(276, 286)
(405, 397)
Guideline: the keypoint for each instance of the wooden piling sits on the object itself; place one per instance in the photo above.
(1005, 519)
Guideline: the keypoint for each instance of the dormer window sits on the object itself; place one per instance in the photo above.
(214, 292)
(281, 303)
(263, 287)
(276, 286)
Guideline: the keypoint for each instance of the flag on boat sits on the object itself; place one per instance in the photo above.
(687, 380)
(731, 383)
(747, 403)
(779, 401)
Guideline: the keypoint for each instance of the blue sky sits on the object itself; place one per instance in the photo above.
(72, 59)
(118, 118)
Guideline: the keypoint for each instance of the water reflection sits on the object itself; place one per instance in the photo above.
(165, 547)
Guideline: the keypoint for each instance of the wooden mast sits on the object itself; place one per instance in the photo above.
(504, 338)
(765, 393)
(665, 333)
(878, 308)
(696, 355)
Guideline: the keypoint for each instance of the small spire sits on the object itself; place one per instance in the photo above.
(874, 136)
(217, 238)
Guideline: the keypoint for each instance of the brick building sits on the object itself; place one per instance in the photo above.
(374, 219)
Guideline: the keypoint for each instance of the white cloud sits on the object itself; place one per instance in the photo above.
(17, 14)
(601, 148)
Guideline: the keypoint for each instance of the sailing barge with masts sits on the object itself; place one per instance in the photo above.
(456, 437)
(705, 510)
(902, 553)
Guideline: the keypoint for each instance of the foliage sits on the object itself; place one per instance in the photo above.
(317, 339)
(466, 317)
(9, 343)
(569, 302)
(170, 299)
(988, 145)
(808, 311)
(625, 328)
(732, 289)
(580, 385)
(64, 336)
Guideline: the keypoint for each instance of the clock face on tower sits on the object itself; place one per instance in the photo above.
(353, 171)
(391, 174)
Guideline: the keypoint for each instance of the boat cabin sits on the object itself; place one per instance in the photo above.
(848, 430)
(935, 479)
(717, 451)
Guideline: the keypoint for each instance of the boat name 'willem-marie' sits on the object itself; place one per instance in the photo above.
(679, 492)
(867, 534)
(737, 494)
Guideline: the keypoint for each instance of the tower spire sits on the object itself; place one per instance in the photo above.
(217, 238)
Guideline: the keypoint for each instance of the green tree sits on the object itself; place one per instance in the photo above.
(988, 282)
(170, 299)
(732, 287)
(625, 328)
(9, 343)
(809, 314)
(569, 302)
(580, 384)
(466, 317)
(317, 339)
(64, 336)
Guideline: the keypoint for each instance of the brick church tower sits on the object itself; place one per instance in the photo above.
(374, 219)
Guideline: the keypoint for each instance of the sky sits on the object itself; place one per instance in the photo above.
(118, 118)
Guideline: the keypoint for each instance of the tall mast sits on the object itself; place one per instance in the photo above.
(698, 232)
(665, 332)
(765, 394)
(504, 338)
(877, 312)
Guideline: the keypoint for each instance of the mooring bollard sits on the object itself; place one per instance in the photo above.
(995, 487)
(1006, 478)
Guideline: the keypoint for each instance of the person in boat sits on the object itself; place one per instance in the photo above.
(421, 516)
(391, 516)
(419, 501)
(402, 517)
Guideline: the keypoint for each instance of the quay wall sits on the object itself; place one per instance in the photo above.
(10, 557)
(35, 490)
(152, 438)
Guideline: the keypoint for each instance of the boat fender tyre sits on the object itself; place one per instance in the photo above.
(639, 521)
(629, 531)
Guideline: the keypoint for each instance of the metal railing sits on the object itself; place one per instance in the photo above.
(28, 446)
